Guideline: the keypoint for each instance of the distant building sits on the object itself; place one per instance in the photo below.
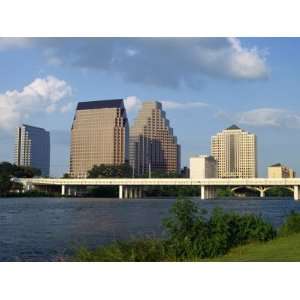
(203, 166)
(32, 148)
(152, 142)
(235, 152)
(280, 171)
(99, 135)
(185, 172)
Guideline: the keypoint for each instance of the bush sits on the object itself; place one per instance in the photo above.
(291, 224)
(140, 250)
(191, 236)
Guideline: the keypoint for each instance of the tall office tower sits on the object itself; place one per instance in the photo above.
(32, 148)
(235, 152)
(152, 143)
(99, 135)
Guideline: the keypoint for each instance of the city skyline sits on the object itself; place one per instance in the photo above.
(252, 82)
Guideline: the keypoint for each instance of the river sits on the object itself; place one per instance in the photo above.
(48, 229)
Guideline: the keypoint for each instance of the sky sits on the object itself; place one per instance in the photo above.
(204, 84)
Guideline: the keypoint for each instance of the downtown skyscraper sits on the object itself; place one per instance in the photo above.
(32, 148)
(99, 135)
(235, 152)
(153, 146)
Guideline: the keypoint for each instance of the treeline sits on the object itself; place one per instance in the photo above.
(8, 170)
(125, 171)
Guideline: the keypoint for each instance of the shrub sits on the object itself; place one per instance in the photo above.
(291, 224)
(191, 236)
(137, 250)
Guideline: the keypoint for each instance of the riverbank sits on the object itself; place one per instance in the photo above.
(281, 249)
(194, 236)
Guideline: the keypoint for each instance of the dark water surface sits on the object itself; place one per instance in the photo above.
(46, 229)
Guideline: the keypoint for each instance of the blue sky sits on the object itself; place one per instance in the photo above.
(205, 85)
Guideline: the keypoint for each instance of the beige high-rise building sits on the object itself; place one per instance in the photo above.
(152, 143)
(280, 171)
(99, 135)
(203, 166)
(235, 152)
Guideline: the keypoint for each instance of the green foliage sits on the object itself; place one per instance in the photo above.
(8, 170)
(224, 192)
(291, 224)
(149, 250)
(5, 184)
(103, 191)
(278, 192)
(110, 171)
(172, 191)
(192, 236)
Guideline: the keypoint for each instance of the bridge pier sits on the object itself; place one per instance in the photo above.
(62, 189)
(262, 193)
(296, 192)
(120, 191)
(202, 192)
(207, 192)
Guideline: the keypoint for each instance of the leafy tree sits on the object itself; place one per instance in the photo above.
(191, 235)
(8, 170)
(5, 184)
(110, 171)
(291, 224)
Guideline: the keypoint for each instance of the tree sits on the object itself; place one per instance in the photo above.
(110, 171)
(8, 170)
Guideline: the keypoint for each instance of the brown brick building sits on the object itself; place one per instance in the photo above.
(99, 135)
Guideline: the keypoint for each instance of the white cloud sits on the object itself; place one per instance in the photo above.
(41, 95)
(273, 117)
(246, 63)
(67, 107)
(9, 43)
(182, 105)
(164, 62)
(133, 104)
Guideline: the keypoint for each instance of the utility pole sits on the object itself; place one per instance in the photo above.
(149, 170)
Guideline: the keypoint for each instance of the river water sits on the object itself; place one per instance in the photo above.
(47, 229)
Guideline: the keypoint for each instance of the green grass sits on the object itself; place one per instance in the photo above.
(281, 249)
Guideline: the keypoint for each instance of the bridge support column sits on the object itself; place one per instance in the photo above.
(28, 187)
(130, 192)
(296, 192)
(202, 195)
(120, 191)
(262, 193)
(125, 192)
(63, 190)
(140, 192)
(69, 189)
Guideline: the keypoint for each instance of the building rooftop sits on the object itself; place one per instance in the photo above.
(233, 127)
(113, 103)
(276, 165)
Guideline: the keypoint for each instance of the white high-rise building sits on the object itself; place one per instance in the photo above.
(235, 152)
(32, 148)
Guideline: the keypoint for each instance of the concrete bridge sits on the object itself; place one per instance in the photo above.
(133, 187)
